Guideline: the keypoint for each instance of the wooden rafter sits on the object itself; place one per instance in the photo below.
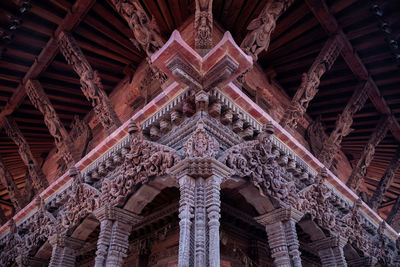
(353, 61)
(46, 56)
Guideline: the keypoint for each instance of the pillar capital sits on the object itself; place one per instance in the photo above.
(62, 240)
(112, 213)
(280, 215)
(329, 242)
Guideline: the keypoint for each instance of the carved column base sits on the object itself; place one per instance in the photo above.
(330, 251)
(63, 253)
(115, 226)
(280, 226)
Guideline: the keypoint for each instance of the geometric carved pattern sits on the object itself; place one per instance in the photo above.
(35, 172)
(90, 81)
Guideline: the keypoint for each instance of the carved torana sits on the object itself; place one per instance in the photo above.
(8, 182)
(90, 81)
(385, 181)
(39, 181)
(261, 28)
(367, 154)
(62, 139)
(203, 26)
(310, 82)
(343, 123)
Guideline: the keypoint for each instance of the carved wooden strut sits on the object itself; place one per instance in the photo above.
(8, 182)
(367, 155)
(90, 81)
(261, 28)
(203, 25)
(39, 181)
(62, 139)
(343, 123)
(385, 181)
(310, 82)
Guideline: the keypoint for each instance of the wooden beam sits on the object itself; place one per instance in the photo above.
(62, 139)
(310, 82)
(342, 127)
(353, 61)
(367, 154)
(90, 81)
(385, 181)
(71, 20)
(35, 172)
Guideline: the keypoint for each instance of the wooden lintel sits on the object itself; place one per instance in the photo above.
(46, 56)
(353, 61)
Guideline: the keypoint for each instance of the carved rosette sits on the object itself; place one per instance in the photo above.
(145, 160)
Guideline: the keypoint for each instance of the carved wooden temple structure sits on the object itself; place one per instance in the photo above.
(199, 133)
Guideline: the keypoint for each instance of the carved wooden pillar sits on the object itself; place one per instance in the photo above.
(261, 28)
(342, 127)
(330, 251)
(363, 261)
(8, 182)
(64, 250)
(310, 83)
(62, 139)
(385, 181)
(27, 261)
(280, 226)
(186, 214)
(213, 206)
(35, 172)
(115, 227)
(367, 155)
(90, 81)
(199, 205)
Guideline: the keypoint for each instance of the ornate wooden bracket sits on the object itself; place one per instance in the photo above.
(367, 155)
(310, 82)
(62, 139)
(90, 81)
(35, 172)
(8, 182)
(261, 28)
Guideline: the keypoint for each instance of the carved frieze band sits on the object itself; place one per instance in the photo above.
(90, 81)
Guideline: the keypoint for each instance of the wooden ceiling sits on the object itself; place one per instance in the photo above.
(104, 39)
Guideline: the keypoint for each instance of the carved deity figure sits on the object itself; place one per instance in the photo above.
(203, 24)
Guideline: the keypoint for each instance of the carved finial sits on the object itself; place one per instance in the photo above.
(38, 201)
(382, 227)
(73, 172)
(268, 128)
(357, 204)
(13, 226)
(133, 127)
(324, 173)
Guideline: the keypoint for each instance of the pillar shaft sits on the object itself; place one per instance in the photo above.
(213, 202)
(64, 250)
(280, 226)
(115, 226)
(330, 251)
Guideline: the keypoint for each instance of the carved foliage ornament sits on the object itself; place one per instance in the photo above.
(145, 160)
(255, 161)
